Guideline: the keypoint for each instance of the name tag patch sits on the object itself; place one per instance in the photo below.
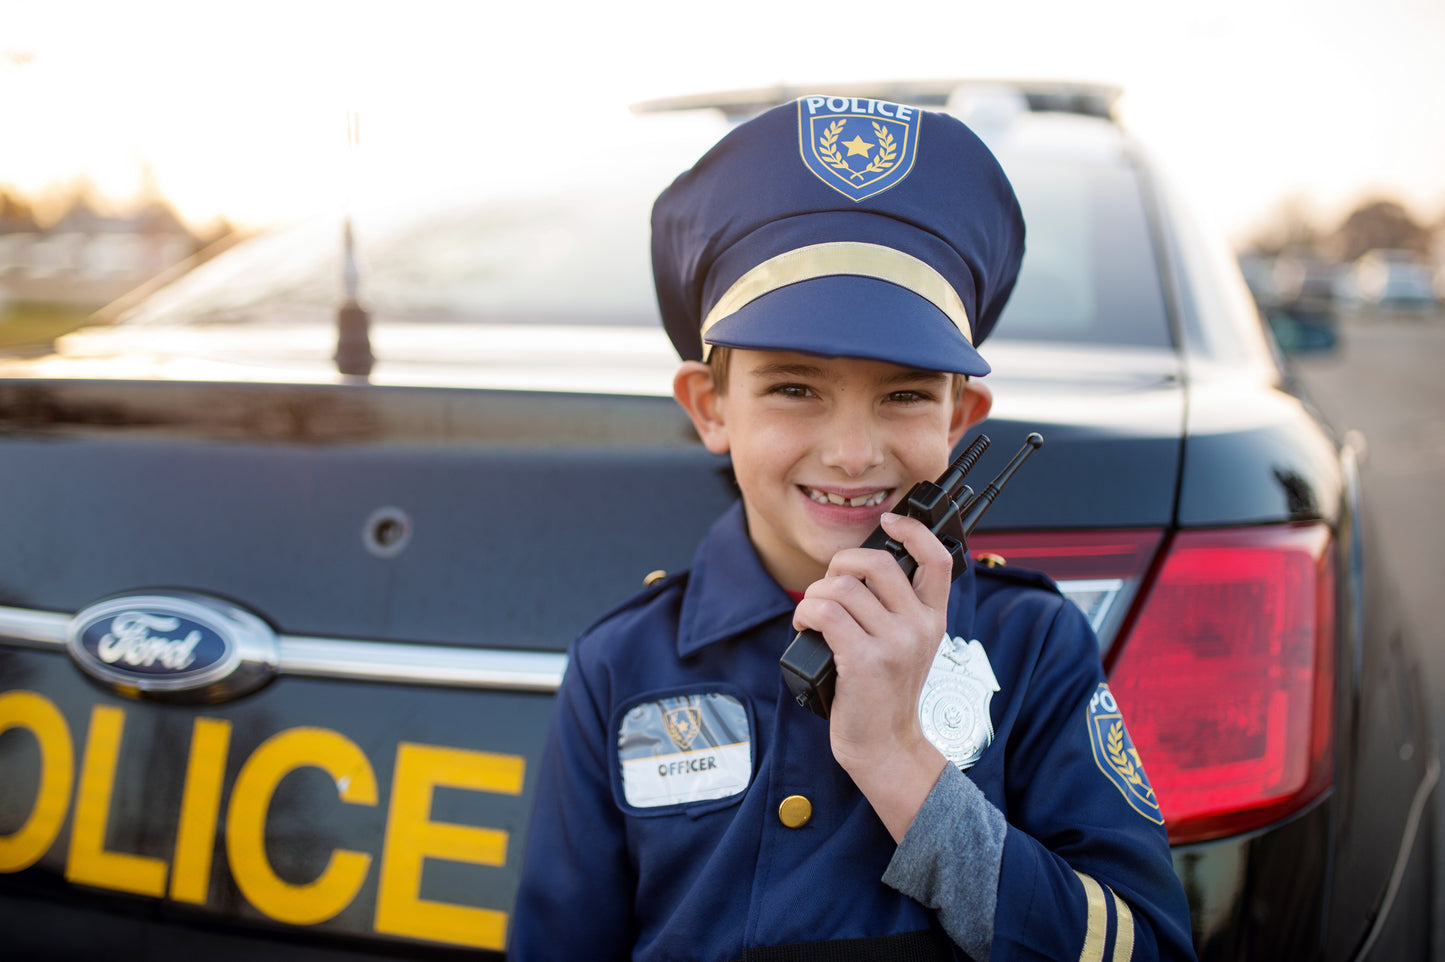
(686, 748)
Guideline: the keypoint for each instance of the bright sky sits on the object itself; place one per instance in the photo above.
(240, 109)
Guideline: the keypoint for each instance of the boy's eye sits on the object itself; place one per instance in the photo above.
(909, 397)
(791, 390)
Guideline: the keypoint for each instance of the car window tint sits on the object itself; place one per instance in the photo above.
(573, 258)
(577, 253)
(1089, 273)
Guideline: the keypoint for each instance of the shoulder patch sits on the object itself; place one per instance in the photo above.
(1115, 755)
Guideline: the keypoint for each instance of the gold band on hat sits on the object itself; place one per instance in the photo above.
(841, 258)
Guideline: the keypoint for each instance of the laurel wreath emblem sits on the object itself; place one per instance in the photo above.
(1121, 761)
(683, 726)
(887, 151)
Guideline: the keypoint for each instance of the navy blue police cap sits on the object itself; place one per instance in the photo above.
(840, 227)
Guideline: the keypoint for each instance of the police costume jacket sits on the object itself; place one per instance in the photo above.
(669, 820)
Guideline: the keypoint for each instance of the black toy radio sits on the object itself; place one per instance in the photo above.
(951, 511)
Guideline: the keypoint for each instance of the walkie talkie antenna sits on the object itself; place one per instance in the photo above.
(972, 512)
(952, 480)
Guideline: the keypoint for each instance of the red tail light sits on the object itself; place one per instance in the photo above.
(1099, 570)
(1227, 674)
(1227, 677)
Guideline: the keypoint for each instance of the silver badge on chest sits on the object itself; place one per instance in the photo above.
(954, 705)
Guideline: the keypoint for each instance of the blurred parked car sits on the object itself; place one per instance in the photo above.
(1393, 280)
(278, 644)
(1307, 280)
(1300, 301)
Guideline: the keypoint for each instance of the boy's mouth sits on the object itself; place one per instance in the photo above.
(870, 499)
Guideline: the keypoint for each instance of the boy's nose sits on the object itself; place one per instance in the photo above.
(854, 446)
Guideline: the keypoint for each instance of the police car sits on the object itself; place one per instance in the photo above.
(282, 607)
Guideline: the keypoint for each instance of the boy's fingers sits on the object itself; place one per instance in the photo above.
(875, 567)
(935, 564)
(840, 596)
(879, 574)
(827, 617)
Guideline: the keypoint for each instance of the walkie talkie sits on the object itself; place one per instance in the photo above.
(951, 511)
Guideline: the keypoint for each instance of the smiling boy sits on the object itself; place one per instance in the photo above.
(822, 447)
(827, 307)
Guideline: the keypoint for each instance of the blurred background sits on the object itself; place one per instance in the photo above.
(136, 134)
(139, 137)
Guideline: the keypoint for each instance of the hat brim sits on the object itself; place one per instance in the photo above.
(851, 316)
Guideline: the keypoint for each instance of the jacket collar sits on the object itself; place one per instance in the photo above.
(728, 590)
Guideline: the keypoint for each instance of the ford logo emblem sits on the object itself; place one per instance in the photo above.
(174, 645)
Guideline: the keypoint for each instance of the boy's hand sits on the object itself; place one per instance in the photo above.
(884, 633)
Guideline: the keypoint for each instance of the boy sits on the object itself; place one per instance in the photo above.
(825, 272)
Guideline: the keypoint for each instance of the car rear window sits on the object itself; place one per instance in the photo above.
(575, 250)
(1089, 273)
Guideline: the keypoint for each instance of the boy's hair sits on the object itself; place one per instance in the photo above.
(720, 359)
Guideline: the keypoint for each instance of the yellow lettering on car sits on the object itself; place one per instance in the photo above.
(200, 807)
(26, 709)
(345, 871)
(90, 863)
(412, 837)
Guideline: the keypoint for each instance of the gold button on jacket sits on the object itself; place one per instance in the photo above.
(795, 811)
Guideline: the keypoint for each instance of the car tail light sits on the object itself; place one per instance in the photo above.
(1225, 668)
(1227, 677)
(1100, 571)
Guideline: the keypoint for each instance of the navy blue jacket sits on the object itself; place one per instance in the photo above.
(658, 830)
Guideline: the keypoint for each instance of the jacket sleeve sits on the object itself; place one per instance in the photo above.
(949, 860)
(1082, 869)
(574, 897)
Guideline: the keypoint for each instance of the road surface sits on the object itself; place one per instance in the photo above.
(1387, 380)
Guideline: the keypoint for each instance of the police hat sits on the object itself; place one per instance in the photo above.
(841, 227)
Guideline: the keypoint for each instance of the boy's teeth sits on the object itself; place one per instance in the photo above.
(863, 500)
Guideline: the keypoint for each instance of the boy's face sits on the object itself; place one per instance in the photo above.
(823, 446)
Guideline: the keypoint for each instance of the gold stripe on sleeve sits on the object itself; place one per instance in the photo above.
(1098, 920)
(1124, 937)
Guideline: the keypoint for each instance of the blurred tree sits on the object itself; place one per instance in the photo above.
(15, 214)
(1289, 227)
(1377, 224)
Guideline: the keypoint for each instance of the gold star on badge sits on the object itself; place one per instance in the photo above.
(858, 146)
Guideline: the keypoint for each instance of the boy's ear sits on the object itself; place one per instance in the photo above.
(969, 408)
(696, 390)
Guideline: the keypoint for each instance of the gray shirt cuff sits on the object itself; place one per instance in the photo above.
(949, 860)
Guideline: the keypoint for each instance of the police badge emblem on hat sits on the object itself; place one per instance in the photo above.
(858, 147)
(953, 707)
